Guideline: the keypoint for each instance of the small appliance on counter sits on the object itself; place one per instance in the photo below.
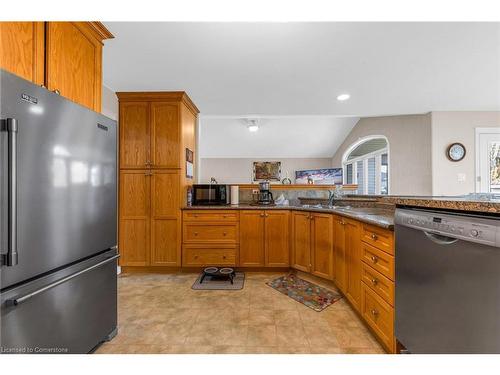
(211, 195)
(265, 195)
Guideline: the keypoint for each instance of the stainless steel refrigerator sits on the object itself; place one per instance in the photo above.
(58, 222)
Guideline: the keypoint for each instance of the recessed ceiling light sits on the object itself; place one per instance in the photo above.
(343, 97)
(252, 125)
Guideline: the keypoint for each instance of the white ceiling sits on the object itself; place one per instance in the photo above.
(300, 68)
(277, 137)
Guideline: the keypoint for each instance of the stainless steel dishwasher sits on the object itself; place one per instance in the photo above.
(447, 282)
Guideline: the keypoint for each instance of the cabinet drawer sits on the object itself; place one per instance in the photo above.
(379, 260)
(382, 239)
(209, 256)
(211, 215)
(378, 283)
(379, 315)
(208, 232)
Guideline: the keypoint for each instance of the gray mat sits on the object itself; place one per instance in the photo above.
(209, 284)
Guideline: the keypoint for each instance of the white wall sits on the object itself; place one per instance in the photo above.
(240, 170)
(409, 136)
(450, 127)
(109, 103)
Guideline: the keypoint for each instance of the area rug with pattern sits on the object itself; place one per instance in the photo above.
(309, 294)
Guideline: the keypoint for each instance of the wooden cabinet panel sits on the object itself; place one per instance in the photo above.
(322, 245)
(209, 255)
(381, 238)
(73, 63)
(353, 256)
(210, 232)
(252, 245)
(211, 215)
(340, 262)
(301, 241)
(379, 260)
(378, 283)
(134, 222)
(379, 315)
(22, 49)
(134, 135)
(277, 237)
(165, 135)
(165, 218)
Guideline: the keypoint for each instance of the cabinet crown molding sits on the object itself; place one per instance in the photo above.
(158, 96)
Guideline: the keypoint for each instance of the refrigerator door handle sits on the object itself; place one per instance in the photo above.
(11, 258)
(19, 300)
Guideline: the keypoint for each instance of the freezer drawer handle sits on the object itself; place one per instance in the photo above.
(19, 300)
(11, 127)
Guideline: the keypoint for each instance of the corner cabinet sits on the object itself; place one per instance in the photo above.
(155, 131)
(264, 238)
(65, 57)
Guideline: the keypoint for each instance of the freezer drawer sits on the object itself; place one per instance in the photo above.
(70, 311)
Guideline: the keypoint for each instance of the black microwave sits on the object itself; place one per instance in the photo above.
(211, 194)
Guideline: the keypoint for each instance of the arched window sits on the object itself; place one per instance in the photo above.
(366, 164)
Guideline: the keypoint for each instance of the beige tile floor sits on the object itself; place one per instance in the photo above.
(162, 314)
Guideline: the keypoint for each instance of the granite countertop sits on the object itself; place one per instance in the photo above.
(376, 216)
(472, 203)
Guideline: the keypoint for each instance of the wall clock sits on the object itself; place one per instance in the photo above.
(455, 152)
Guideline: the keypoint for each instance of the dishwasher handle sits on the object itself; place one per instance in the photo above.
(440, 239)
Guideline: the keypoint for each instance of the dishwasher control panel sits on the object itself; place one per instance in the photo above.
(471, 228)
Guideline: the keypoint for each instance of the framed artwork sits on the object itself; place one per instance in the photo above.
(327, 176)
(267, 170)
(189, 163)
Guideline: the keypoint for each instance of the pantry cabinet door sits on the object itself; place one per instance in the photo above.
(301, 241)
(22, 49)
(134, 135)
(252, 246)
(322, 245)
(277, 238)
(165, 135)
(134, 222)
(165, 218)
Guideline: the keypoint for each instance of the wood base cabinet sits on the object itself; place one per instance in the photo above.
(312, 243)
(264, 238)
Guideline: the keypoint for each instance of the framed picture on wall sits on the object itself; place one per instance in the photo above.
(266, 170)
(327, 176)
(189, 163)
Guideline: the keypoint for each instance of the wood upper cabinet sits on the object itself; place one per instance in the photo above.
(134, 135)
(353, 262)
(322, 245)
(134, 219)
(340, 253)
(264, 238)
(74, 61)
(277, 238)
(165, 218)
(22, 49)
(252, 246)
(301, 241)
(62, 56)
(165, 135)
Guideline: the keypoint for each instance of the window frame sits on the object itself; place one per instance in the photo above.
(378, 165)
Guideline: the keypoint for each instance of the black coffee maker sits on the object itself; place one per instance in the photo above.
(265, 195)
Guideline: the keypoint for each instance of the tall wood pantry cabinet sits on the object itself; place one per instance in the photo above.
(155, 130)
(65, 57)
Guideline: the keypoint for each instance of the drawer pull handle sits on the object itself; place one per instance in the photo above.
(225, 233)
(195, 215)
(262, 215)
(223, 257)
(374, 281)
(224, 216)
(374, 237)
(374, 312)
(195, 233)
(374, 259)
(196, 257)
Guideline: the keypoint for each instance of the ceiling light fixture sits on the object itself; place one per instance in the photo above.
(343, 97)
(252, 125)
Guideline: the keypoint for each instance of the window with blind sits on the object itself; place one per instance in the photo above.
(366, 164)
